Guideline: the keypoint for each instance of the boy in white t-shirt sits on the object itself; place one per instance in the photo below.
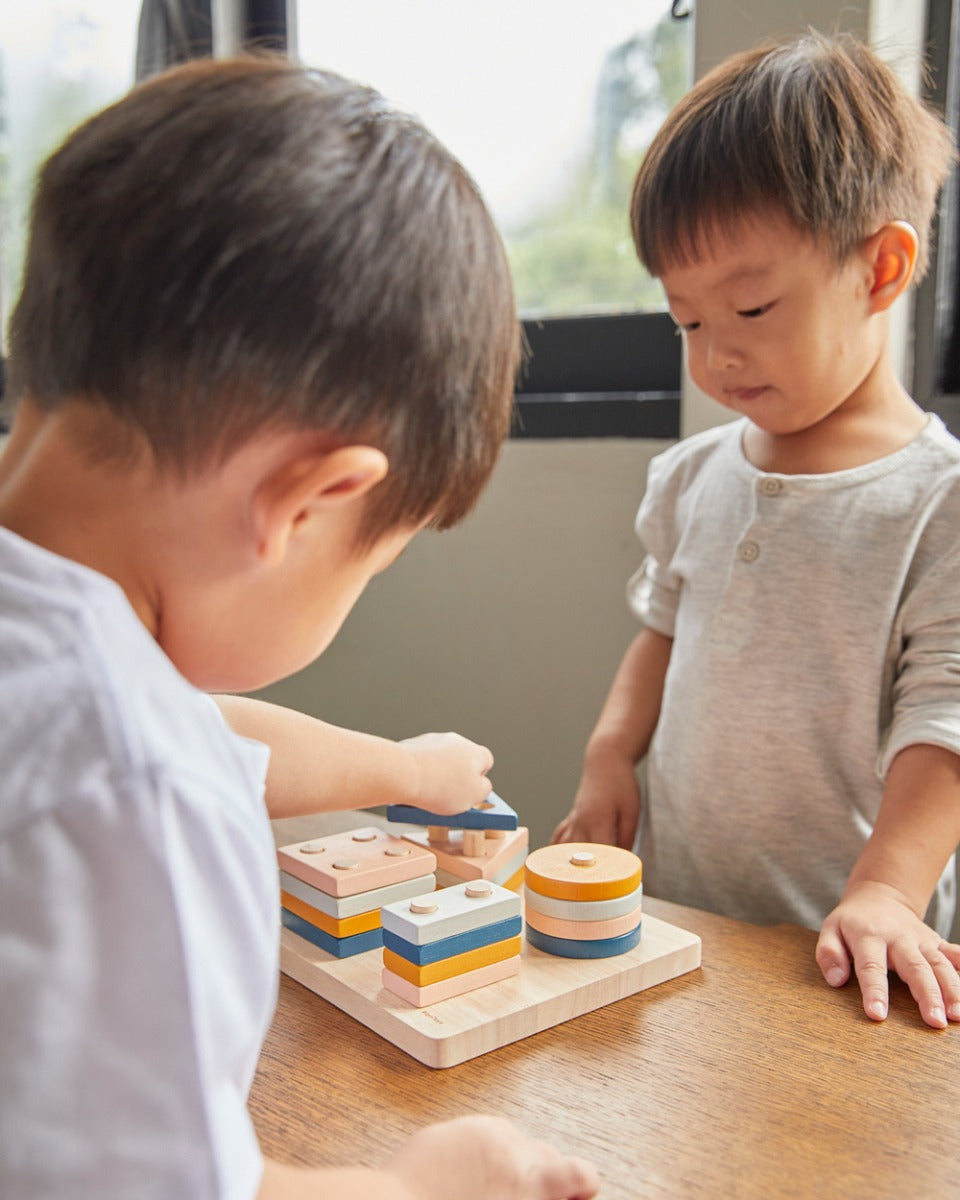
(266, 334)
(795, 690)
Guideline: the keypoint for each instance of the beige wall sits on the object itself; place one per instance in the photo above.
(507, 629)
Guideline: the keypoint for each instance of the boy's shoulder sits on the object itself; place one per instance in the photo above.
(679, 463)
(940, 441)
(89, 698)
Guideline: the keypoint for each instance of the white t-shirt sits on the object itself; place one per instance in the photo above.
(816, 627)
(138, 906)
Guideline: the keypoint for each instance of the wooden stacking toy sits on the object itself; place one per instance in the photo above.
(332, 888)
(448, 942)
(485, 842)
(583, 900)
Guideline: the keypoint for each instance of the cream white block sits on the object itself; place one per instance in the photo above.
(450, 911)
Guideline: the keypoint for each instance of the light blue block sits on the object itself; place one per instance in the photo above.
(460, 943)
(570, 948)
(494, 814)
(357, 943)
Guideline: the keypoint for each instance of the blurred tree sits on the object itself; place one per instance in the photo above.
(576, 255)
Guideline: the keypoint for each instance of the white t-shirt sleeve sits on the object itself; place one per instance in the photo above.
(139, 950)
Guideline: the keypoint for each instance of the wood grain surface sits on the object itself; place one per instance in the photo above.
(746, 1078)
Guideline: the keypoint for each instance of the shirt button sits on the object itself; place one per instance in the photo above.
(770, 486)
(748, 551)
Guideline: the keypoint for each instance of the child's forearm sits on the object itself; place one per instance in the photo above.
(297, 1183)
(630, 713)
(918, 826)
(316, 767)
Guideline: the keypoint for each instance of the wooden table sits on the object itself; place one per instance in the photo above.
(746, 1078)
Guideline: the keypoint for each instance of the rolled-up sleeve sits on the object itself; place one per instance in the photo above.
(926, 689)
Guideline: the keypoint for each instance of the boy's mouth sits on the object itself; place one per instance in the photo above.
(744, 395)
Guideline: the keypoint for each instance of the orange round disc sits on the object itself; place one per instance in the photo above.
(582, 871)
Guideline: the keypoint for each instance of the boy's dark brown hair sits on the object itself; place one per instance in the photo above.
(816, 128)
(249, 245)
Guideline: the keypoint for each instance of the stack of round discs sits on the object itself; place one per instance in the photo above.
(583, 900)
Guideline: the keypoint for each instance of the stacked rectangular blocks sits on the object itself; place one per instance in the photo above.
(332, 888)
(485, 842)
(451, 941)
(583, 900)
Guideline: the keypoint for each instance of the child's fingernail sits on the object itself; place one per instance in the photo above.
(953, 1012)
(938, 1016)
(877, 1010)
(835, 976)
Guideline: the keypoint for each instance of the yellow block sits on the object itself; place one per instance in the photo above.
(336, 926)
(583, 871)
(448, 967)
(515, 882)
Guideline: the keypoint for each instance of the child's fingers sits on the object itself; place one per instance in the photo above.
(569, 1179)
(870, 966)
(932, 980)
(832, 957)
(951, 994)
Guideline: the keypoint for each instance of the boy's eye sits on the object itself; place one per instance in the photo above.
(755, 312)
(681, 327)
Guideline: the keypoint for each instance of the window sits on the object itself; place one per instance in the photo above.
(60, 60)
(550, 113)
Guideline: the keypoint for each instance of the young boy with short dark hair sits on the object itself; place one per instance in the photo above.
(796, 687)
(266, 334)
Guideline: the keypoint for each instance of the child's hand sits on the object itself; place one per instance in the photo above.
(874, 926)
(451, 772)
(475, 1158)
(607, 805)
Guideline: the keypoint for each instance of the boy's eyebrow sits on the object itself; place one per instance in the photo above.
(737, 275)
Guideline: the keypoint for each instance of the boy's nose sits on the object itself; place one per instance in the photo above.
(722, 354)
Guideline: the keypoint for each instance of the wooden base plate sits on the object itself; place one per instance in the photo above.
(548, 991)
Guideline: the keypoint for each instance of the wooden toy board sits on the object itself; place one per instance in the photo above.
(548, 991)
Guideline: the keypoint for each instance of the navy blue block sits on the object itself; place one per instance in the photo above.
(459, 943)
(499, 816)
(571, 948)
(356, 943)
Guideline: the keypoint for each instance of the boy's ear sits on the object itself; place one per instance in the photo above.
(891, 253)
(309, 483)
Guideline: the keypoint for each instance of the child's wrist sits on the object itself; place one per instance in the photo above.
(603, 748)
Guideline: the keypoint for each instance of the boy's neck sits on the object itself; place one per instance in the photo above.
(878, 421)
(54, 494)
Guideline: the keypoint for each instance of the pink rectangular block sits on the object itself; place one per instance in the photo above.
(346, 864)
(511, 850)
(445, 989)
